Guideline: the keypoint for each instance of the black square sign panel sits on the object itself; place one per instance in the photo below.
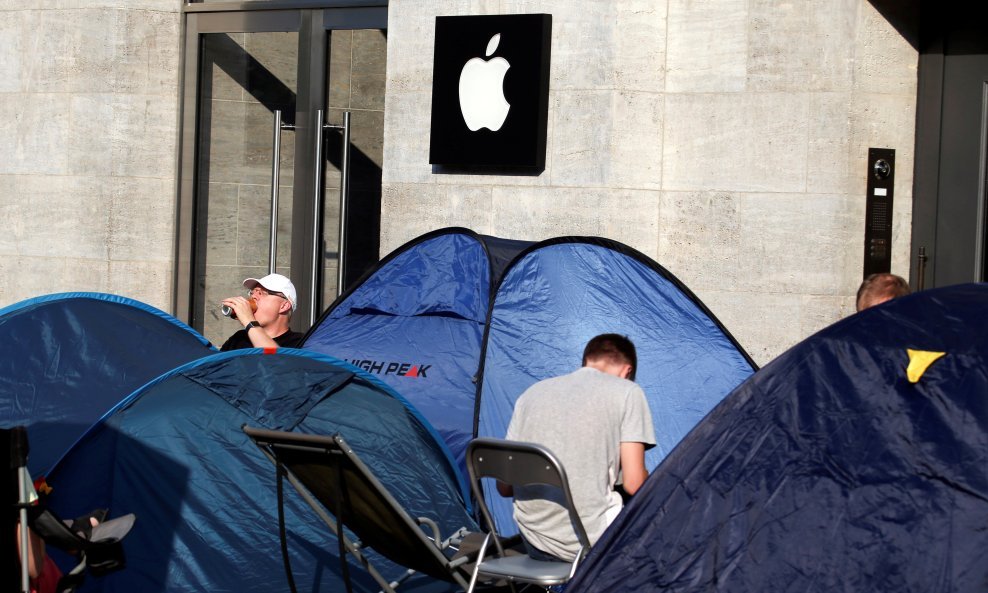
(490, 91)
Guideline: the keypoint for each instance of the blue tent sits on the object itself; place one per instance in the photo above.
(856, 461)
(66, 359)
(417, 321)
(174, 454)
(462, 324)
(559, 293)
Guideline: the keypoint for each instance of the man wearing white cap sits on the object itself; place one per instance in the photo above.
(266, 324)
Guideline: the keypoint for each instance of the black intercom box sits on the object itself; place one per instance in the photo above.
(878, 211)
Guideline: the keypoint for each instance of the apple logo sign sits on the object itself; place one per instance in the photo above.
(482, 101)
(490, 93)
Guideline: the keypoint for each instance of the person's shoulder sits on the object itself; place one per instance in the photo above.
(552, 382)
(289, 339)
(236, 341)
(614, 387)
(600, 377)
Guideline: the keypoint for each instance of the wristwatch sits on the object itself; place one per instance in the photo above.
(251, 324)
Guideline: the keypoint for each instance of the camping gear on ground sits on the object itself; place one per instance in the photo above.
(521, 464)
(330, 476)
(856, 461)
(66, 359)
(174, 454)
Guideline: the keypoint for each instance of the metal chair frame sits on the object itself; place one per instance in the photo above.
(331, 478)
(520, 464)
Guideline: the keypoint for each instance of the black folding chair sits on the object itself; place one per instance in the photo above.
(330, 476)
(98, 548)
(520, 464)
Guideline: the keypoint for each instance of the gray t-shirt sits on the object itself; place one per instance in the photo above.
(582, 418)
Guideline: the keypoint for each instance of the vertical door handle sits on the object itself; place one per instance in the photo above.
(921, 269)
(316, 224)
(318, 207)
(275, 180)
(344, 199)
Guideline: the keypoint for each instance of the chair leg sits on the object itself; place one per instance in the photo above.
(476, 567)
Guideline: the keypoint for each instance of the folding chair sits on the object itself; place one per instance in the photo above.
(98, 548)
(520, 464)
(329, 475)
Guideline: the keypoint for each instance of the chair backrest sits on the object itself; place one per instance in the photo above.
(519, 464)
(342, 483)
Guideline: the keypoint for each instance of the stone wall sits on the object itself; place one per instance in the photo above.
(727, 139)
(88, 124)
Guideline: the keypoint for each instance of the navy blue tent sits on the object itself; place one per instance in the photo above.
(174, 454)
(856, 461)
(66, 359)
(417, 321)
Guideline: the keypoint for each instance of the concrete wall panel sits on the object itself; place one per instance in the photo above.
(29, 276)
(707, 46)
(736, 141)
(536, 214)
(606, 139)
(88, 119)
(707, 221)
(34, 131)
(427, 207)
(54, 216)
(800, 46)
(791, 244)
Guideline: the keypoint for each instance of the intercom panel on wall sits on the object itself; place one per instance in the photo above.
(878, 211)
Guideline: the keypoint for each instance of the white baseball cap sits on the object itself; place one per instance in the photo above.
(275, 283)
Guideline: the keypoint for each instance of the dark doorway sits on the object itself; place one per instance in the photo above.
(949, 204)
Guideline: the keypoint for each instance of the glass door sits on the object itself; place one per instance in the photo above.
(281, 155)
(355, 100)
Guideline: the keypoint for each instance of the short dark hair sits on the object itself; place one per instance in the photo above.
(613, 348)
(881, 286)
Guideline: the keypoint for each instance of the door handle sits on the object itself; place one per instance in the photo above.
(275, 180)
(344, 197)
(921, 258)
(316, 224)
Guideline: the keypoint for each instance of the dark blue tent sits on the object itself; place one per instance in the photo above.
(417, 320)
(174, 454)
(66, 359)
(856, 461)
(560, 293)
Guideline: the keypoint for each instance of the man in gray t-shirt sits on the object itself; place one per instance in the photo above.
(597, 422)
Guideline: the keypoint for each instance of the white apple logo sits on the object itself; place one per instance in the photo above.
(482, 90)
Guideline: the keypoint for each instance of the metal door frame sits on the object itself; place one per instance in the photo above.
(312, 20)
